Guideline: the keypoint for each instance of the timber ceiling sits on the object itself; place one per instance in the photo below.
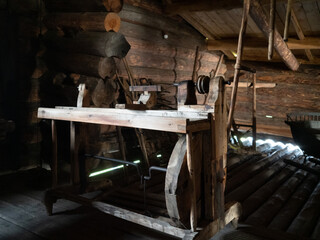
(221, 27)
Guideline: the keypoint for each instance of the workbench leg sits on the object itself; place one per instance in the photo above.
(190, 163)
(54, 163)
(75, 179)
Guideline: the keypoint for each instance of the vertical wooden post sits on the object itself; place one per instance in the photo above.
(271, 26)
(190, 163)
(246, 7)
(75, 179)
(287, 22)
(254, 109)
(54, 164)
(220, 142)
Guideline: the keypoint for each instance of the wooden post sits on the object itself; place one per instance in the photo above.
(287, 22)
(73, 155)
(246, 7)
(54, 164)
(220, 153)
(271, 33)
(254, 109)
(190, 163)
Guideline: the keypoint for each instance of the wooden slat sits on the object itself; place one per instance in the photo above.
(300, 33)
(142, 220)
(120, 117)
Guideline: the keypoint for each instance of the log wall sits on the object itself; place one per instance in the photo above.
(294, 92)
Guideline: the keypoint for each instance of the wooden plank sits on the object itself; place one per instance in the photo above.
(254, 111)
(300, 33)
(143, 220)
(258, 85)
(256, 43)
(196, 115)
(54, 155)
(191, 170)
(12, 231)
(137, 119)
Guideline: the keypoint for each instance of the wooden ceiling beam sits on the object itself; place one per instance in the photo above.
(259, 17)
(258, 43)
(300, 34)
(177, 7)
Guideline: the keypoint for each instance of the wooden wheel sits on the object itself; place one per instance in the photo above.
(177, 184)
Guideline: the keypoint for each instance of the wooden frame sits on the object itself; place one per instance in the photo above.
(187, 123)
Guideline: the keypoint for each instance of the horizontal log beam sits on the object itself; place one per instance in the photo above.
(208, 5)
(258, 85)
(253, 43)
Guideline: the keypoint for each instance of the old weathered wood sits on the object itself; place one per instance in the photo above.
(87, 21)
(254, 111)
(286, 215)
(258, 43)
(258, 15)
(253, 202)
(191, 170)
(258, 85)
(220, 144)
(304, 223)
(271, 26)
(287, 20)
(246, 8)
(109, 44)
(75, 178)
(84, 64)
(142, 88)
(54, 164)
(143, 220)
(274, 204)
(300, 33)
(83, 6)
(120, 117)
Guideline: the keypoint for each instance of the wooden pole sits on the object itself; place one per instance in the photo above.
(54, 163)
(246, 7)
(271, 33)
(73, 155)
(287, 21)
(260, 18)
(254, 110)
(190, 163)
(195, 65)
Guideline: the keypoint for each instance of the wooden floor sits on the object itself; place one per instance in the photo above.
(23, 215)
(279, 202)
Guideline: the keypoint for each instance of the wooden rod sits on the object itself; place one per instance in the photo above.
(287, 21)
(54, 164)
(246, 7)
(254, 110)
(271, 33)
(195, 65)
(190, 163)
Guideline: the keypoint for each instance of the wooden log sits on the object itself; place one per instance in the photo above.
(306, 220)
(258, 15)
(110, 44)
(87, 21)
(255, 200)
(252, 169)
(271, 26)
(83, 64)
(269, 209)
(83, 6)
(242, 192)
(286, 215)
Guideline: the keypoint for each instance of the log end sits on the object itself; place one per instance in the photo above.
(113, 5)
(112, 22)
